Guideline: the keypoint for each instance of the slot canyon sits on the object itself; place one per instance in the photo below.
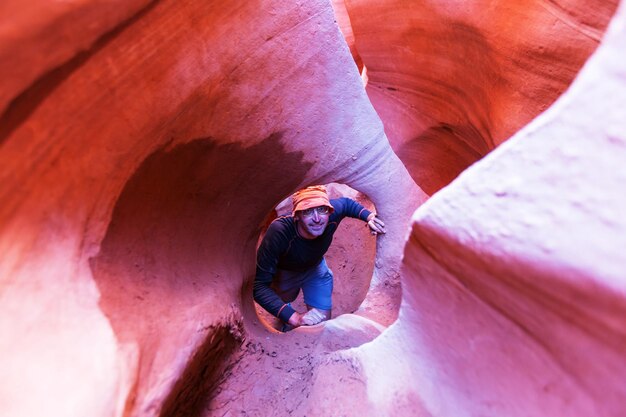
(145, 145)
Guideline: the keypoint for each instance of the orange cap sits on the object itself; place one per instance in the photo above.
(309, 197)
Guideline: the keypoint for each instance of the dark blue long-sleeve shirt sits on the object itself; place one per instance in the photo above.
(283, 248)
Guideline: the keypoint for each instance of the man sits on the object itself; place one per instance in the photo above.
(291, 256)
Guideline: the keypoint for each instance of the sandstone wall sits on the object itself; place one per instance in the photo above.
(139, 157)
(452, 80)
(142, 151)
(514, 275)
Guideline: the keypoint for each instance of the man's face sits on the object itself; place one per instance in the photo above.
(312, 222)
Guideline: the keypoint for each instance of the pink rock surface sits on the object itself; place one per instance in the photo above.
(451, 80)
(135, 182)
(39, 37)
(343, 20)
(514, 275)
(137, 176)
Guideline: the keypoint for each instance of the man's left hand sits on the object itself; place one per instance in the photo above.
(376, 225)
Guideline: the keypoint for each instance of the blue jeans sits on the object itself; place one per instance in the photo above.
(316, 284)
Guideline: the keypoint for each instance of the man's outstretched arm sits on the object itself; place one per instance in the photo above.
(347, 207)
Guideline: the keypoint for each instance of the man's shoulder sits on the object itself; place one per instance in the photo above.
(280, 231)
(282, 224)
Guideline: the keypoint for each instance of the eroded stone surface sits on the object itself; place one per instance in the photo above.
(513, 282)
(451, 80)
(136, 180)
(39, 36)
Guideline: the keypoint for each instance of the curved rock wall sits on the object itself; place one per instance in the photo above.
(137, 176)
(39, 36)
(514, 275)
(343, 21)
(451, 80)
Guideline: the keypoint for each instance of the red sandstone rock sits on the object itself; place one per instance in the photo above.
(39, 37)
(452, 80)
(136, 181)
(343, 20)
(514, 288)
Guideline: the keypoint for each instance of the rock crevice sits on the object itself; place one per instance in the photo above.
(143, 145)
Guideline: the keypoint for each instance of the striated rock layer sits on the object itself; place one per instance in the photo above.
(38, 36)
(143, 151)
(451, 80)
(514, 288)
(136, 177)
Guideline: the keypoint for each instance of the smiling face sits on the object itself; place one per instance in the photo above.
(312, 222)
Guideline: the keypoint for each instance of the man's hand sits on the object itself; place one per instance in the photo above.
(375, 224)
(296, 319)
(310, 318)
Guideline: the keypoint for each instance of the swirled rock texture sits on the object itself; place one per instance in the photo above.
(343, 21)
(140, 154)
(514, 288)
(144, 145)
(38, 36)
(452, 80)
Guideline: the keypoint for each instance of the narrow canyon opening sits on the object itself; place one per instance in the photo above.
(185, 217)
(143, 144)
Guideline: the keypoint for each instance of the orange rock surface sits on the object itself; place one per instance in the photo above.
(144, 146)
(452, 80)
(514, 275)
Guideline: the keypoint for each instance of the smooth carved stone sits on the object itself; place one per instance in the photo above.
(40, 36)
(343, 20)
(137, 177)
(513, 278)
(135, 182)
(452, 80)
